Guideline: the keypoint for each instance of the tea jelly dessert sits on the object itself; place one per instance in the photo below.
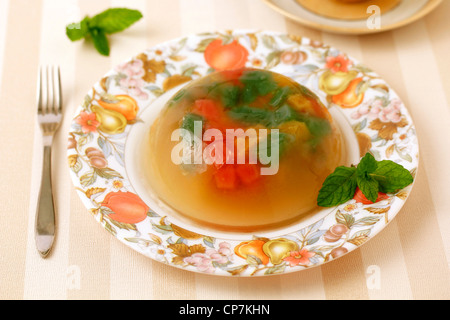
(242, 151)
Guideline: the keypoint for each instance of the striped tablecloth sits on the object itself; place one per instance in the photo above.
(409, 259)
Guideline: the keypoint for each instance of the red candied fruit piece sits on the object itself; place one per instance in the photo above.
(226, 178)
(361, 198)
(248, 173)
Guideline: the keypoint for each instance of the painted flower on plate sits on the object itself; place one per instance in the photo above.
(205, 262)
(132, 78)
(87, 121)
(300, 257)
(338, 63)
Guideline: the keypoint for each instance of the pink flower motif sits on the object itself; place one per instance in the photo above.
(129, 82)
(390, 114)
(299, 257)
(225, 249)
(338, 63)
(364, 109)
(205, 262)
(374, 110)
(134, 86)
(396, 103)
(377, 109)
(133, 82)
(217, 257)
(138, 93)
(201, 261)
(356, 115)
(88, 122)
(133, 68)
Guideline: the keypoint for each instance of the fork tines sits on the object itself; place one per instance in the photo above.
(49, 90)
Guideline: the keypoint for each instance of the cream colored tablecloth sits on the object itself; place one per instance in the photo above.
(408, 260)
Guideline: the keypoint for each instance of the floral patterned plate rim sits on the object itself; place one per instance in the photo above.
(102, 123)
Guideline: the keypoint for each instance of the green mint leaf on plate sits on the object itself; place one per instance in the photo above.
(367, 165)
(391, 176)
(368, 186)
(339, 187)
(115, 19)
(96, 28)
(370, 176)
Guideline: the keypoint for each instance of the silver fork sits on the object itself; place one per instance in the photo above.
(49, 101)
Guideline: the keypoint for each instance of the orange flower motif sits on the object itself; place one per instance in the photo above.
(338, 63)
(257, 63)
(88, 122)
(117, 184)
(226, 56)
(299, 257)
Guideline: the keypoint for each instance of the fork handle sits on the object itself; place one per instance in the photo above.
(45, 215)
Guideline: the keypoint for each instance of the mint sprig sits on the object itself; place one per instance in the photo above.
(98, 27)
(339, 187)
(391, 177)
(364, 180)
(370, 176)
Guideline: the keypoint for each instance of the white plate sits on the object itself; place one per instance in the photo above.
(106, 173)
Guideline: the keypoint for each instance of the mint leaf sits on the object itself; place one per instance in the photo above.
(268, 118)
(115, 20)
(107, 22)
(230, 96)
(367, 165)
(338, 187)
(189, 121)
(283, 141)
(391, 176)
(77, 31)
(368, 186)
(101, 43)
(280, 96)
(249, 94)
(371, 176)
(317, 126)
(284, 114)
(256, 83)
(251, 115)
